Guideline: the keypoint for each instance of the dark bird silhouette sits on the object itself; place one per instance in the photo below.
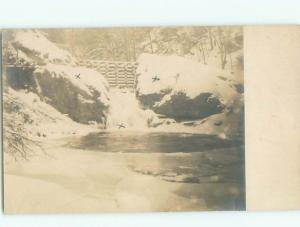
(155, 79)
(121, 126)
(77, 76)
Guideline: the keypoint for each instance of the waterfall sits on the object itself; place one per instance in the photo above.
(125, 112)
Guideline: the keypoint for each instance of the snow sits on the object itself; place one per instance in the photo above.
(46, 58)
(230, 124)
(182, 75)
(22, 55)
(45, 118)
(37, 42)
(178, 74)
(77, 181)
(194, 79)
(87, 81)
(72, 182)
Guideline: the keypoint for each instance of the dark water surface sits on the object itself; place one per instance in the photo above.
(153, 142)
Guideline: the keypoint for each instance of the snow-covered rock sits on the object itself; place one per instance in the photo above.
(185, 89)
(51, 73)
(77, 91)
(228, 124)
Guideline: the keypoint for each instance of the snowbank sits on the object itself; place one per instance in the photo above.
(184, 87)
(182, 75)
(77, 181)
(41, 120)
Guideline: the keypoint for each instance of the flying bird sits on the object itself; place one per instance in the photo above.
(155, 79)
(77, 76)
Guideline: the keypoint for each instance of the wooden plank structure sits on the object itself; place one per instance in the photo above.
(119, 74)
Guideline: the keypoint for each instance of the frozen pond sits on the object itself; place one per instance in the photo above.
(152, 142)
(129, 171)
(206, 166)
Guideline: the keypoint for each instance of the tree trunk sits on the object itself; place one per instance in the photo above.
(134, 50)
(223, 56)
(230, 62)
(203, 54)
(149, 33)
(210, 40)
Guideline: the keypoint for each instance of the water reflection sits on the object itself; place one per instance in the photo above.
(138, 142)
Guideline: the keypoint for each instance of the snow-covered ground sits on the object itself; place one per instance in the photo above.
(65, 184)
(74, 180)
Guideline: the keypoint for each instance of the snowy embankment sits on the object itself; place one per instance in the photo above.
(40, 120)
(71, 181)
(52, 74)
(46, 96)
(200, 96)
(76, 181)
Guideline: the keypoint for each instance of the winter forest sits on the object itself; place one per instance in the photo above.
(123, 119)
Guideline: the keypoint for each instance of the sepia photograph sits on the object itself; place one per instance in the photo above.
(131, 119)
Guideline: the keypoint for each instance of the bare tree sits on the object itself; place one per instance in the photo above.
(16, 140)
(222, 48)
